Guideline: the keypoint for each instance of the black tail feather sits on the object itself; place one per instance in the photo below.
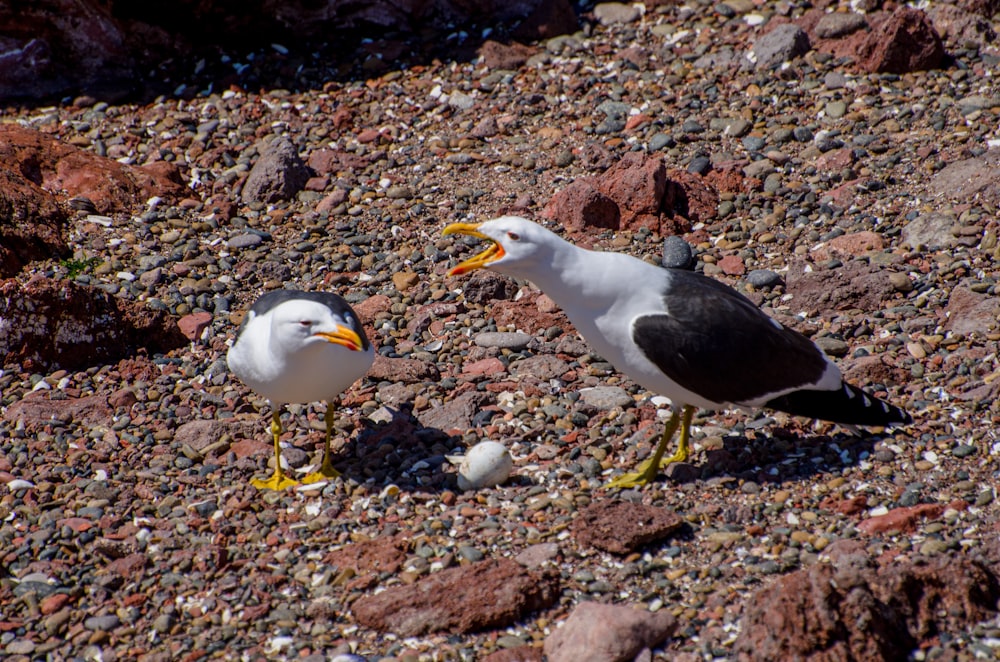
(848, 405)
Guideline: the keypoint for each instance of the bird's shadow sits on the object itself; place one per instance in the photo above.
(397, 449)
(777, 455)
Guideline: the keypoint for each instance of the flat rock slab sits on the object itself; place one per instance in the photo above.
(488, 594)
(621, 527)
(597, 632)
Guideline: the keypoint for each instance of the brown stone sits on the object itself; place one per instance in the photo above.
(518, 654)
(505, 56)
(622, 527)
(486, 595)
(402, 370)
(456, 415)
(596, 632)
(853, 285)
(691, 197)
(970, 180)
(36, 409)
(31, 223)
(53, 323)
(971, 312)
(637, 183)
(581, 205)
(193, 325)
(853, 244)
(202, 433)
(905, 42)
(65, 170)
(370, 556)
(850, 609)
(903, 520)
(526, 315)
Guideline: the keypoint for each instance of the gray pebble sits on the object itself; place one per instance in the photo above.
(661, 141)
(606, 397)
(763, 278)
(502, 339)
(832, 346)
(753, 143)
(700, 165)
(105, 623)
(676, 253)
(248, 240)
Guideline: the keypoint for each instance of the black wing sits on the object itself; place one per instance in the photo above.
(715, 342)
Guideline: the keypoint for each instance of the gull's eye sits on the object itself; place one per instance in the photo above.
(305, 324)
(513, 236)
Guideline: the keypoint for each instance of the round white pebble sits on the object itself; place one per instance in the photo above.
(486, 464)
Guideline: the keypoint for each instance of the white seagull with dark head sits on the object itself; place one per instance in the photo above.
(300, 347)
(677, 333)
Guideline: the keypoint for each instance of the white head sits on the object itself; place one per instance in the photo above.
(299, 323)
(519, 247)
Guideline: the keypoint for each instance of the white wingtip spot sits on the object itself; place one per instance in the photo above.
(885, 408)
(849, 392)
(868, 403)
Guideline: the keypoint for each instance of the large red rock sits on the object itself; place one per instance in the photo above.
(31, 223)
(854, 285)
(852, 609)
(484, 595)
(48, 324)
(906, 42)
(621, 527)
(596, 632)
(66, 171)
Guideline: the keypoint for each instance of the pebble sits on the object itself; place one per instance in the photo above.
(677, 253)
(514, 341)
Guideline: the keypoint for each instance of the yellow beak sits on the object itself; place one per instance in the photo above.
(492, 253)
(343, 336)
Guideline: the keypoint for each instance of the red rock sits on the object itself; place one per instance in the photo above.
(278, 174)
(970, 312)
(371, 556)
(201, 433)
(36, 409)
(402, 370)
(490, 594)
(581, 205)
(248, 447)
(50, 604)
(596, 632)
(853, 285)
(53, 323)
(622, 527)
(637, 183)
(457, 415)
(335, 162)
(77, 524)
(32, 222)
(903, 520)
(691, 197)
(905, 42)
(971, 179)
(193, 325)
(367, 136)
(853, 244)
(490, 366)
(526, 314)
(505, 56)
(130, 565)
(732, 265)
(835, 159)
(65, 170)
(546, 19)
(486, 286)
(518, 654)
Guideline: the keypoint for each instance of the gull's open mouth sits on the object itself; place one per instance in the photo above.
(493, 252)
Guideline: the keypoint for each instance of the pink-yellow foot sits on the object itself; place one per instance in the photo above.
(278, 480)
(648, 469)
(326, 469)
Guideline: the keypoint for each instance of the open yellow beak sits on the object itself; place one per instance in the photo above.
(343, 336)
(492, 253)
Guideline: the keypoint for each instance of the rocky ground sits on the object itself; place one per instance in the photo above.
(838, 168)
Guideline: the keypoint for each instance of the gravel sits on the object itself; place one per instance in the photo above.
(116, 536)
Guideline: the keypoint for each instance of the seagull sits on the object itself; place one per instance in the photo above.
(302, 347)
(677, 333)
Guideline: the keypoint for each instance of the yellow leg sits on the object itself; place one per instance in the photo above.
(326, 470)
(278, 480)
(648, 469)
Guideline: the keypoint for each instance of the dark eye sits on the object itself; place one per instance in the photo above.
(513, 236)
(305, 323)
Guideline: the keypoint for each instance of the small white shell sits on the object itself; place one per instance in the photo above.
(486, 464)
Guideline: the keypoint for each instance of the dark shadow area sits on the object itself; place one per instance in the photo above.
(52, 51)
